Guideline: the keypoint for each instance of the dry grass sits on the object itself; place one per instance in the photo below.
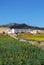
(3, 29)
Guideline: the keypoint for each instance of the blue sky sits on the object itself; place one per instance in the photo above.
(30, 12)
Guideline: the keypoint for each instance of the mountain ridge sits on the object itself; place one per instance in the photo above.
(21, 26)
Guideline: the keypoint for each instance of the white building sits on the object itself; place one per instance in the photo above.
(34, 32)
(11, 31)
(22, 31)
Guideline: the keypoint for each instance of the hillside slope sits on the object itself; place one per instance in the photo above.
(16, 25)
(14, 52)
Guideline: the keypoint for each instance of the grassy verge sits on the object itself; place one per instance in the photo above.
(14, 52)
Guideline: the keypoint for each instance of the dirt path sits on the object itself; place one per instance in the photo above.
(13, 36)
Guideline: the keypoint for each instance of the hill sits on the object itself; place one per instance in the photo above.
(20, 26)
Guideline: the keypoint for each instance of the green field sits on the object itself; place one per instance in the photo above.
(14, 52)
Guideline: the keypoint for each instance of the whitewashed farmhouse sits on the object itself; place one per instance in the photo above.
(15, 31)
(34, 32)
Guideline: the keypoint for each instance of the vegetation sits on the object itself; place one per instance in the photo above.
(35, 37)
(14, 52)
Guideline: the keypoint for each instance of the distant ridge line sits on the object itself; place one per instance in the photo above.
(21, 26)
